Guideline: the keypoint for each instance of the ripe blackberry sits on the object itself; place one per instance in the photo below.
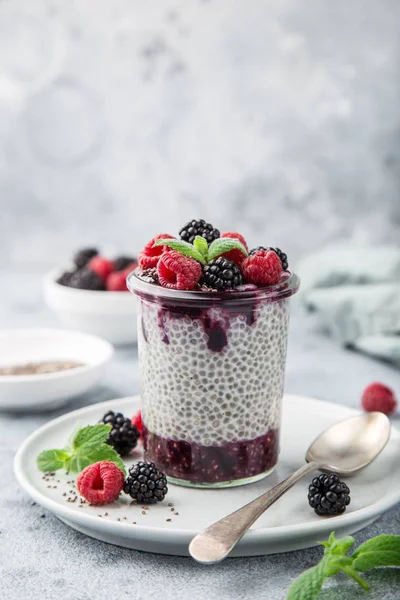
(282, 255)
(123, 435)
(327, 495)
(65, 278)
(198, 227)
(86, 279)
(146, 484)
(123, 262)
(83, 256)
(222, 274)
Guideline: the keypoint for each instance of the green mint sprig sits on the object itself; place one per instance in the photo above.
(200, 250)
(88, 446)
(380, 551)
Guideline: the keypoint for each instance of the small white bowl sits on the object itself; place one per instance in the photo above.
(49, 390)
(110, 315)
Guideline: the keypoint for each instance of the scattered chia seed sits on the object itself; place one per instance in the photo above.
(168, 520)
(144, 512)
(118, 519)
(172, 509)
(65, 493)
(42, 516)
(33, 504)
(170, 503)
(176, 514)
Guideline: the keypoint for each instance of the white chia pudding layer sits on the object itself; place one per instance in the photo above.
(214, 378)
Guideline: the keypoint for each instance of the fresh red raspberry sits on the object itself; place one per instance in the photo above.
(178, 272)
(137, 421)
(150, 255)
(101, 266)
(235, 255)
(377, 396)
(116, 282)
(264, 267)
(100, 483)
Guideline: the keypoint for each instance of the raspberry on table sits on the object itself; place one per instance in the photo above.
(123, 435)
(103, 267)
(146, 484)
(235, 255)
(82, 257)
(263, 267)
(150, 255)
(222, 274)
(100, 483)
(201, 228)
(379, 397)
(178, 272)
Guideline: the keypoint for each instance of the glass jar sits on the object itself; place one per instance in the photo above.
(212, 371)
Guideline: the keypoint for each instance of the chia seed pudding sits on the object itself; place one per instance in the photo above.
(212, 375)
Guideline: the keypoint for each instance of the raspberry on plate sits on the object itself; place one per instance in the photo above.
(264, 267)
(178, 272)
(116, 282)
(150, 255)
(102, 266)
(379, 397)
(100, 483)
(235, 255)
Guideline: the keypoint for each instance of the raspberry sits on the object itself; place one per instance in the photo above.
(137, 421)
(116, 282)
(100, 483)
(377, 396)
(150, 255)
(101, 266)
(178, 272)
(264, 267)
(235, 255)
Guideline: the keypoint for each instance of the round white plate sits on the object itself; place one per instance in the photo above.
(45, 391)
(168, 527)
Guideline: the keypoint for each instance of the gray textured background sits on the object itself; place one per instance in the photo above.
(119, 118)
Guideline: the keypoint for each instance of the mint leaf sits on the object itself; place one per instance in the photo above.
(222, 245)
(91, 436)
(201, 245)
(337, 547)
(182, 247)
(51, 460)
(76, 463)
(105, 452)
(380, 551)
(309, 584)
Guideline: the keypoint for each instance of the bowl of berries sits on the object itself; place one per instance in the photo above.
(91, 295)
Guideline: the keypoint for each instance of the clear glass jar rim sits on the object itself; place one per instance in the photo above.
(288, 286)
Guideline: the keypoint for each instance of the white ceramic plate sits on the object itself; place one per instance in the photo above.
(42, 392)
(288, 525)
(111, 315)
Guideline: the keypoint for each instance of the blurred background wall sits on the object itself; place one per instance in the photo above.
(122, 118)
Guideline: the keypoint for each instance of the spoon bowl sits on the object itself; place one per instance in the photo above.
(350, 445)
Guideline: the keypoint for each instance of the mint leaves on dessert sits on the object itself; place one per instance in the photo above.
(88, 446)
(380, 551)
(200, 250)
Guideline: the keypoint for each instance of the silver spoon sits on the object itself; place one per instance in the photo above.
(344, 448)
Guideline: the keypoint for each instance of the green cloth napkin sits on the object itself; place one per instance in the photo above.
(356, 292)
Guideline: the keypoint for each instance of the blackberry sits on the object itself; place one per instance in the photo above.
(222, 274)
(282, 255)
(146, 484)
(122, 262)
(123, 435)
(86, 279)
(82, 257)
(65, 278)
(199, 227)
(327, 495)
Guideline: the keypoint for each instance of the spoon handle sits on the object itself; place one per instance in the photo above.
(215, 542)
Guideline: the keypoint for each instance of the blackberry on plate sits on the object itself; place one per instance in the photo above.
(282, 255)
(65, 278)
(82, 257)
(122, 262)
(328, 496)
(199, 227)
(146, 484)
(86, 279)
(222, 274)
(123, 435)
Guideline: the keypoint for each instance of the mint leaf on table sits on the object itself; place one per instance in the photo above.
(88, 447)
(182, 247)
(222, 245)
(380, 551)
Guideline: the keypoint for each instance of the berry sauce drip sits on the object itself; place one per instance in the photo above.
(216, 333)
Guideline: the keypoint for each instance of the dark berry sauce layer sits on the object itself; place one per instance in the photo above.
(212, 464)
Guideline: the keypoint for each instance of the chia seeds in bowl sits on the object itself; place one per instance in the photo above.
(212, 374)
